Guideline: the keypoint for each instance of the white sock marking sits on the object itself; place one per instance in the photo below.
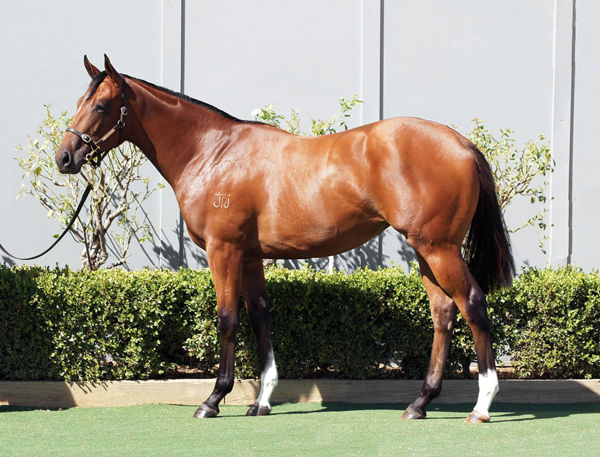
(268, 381)
(488, 388)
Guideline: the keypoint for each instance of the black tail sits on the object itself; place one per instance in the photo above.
(487, 247)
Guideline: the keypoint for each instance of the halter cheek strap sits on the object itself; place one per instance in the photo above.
(95, 156)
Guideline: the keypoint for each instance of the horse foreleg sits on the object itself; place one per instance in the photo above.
(225, 265)
(255, 295)
(443, 313)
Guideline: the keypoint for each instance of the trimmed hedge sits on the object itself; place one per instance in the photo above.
(551, 321)
(60, 324)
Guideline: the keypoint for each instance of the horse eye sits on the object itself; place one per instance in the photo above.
(101, 107)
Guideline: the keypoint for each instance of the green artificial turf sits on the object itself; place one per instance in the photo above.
(304, 429)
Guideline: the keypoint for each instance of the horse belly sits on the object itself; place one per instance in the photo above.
(304, 237)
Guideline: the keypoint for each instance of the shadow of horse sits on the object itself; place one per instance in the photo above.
(501, 412)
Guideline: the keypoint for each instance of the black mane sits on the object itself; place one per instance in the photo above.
(102, 75)
(187, 98)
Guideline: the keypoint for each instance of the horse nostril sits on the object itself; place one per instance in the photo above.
(66, 159)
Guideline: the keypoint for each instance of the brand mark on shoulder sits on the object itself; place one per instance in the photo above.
(221, 200)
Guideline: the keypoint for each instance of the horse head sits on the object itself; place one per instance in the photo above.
(100, 113)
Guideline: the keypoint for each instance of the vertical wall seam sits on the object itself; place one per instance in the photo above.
(381, 81)
(381, 54)
(563, 110)
(371, 71)
(172, 71)
(181, 233)
(572, 130)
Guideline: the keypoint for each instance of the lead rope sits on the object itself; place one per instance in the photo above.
(86, 192)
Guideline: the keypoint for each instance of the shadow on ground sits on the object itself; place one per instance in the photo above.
(500, 412)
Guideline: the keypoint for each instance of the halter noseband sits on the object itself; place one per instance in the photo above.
(95, 156)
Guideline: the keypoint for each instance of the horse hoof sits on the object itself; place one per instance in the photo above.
(204, 412)
(257, 410)
(477, 418)
(413, 413)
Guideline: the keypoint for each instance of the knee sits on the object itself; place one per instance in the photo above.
(444, 317)
(228, 320)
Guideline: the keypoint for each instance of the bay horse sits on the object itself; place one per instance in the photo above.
(249, 191)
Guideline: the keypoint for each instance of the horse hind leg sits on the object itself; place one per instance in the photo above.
(454, 278)
(443, 313)
(255, 296)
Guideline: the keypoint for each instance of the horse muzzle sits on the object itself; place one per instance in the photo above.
(69, 162)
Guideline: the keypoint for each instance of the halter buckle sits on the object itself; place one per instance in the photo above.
(121, 121)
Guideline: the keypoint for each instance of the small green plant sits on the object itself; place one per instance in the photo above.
(518, 172)
(318, 126)
(112, 220)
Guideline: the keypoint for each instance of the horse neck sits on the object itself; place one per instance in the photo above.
(172, 131)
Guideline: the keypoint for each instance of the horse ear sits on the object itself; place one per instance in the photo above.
(92, 71)
(111, 72)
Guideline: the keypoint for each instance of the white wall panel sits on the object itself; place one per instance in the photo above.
(441, 60)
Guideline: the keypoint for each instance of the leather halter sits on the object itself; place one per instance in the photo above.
(95, 155)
